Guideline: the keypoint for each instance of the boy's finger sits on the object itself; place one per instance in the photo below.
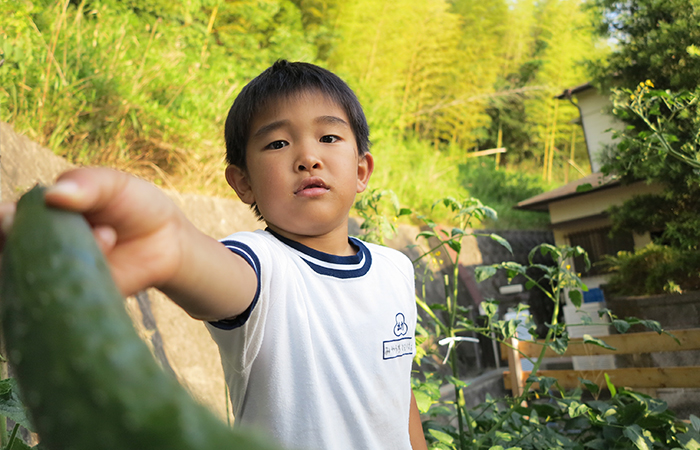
(7, 216)
(131, 206)
(86, 190)
(106, 238)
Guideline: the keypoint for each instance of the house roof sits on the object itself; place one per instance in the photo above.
(574, 90)
(598, 181)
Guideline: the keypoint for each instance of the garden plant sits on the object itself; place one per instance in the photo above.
(544, 418)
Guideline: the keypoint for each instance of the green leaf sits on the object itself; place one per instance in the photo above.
(621, 325)
(455, 245)
(456, 382)
(576, 409)
(490, 308)
(635, 434)
(695, 422)
(584, 187)
(652, 325)
(11, 406)
(423, 400)
(502, 241)
(426, 234)
(588, 339)
(482, 273)
(560, 344)
(405, 212)
(591, 386)
(611, 387)
(438, 307)
(576, 297)
(441, 436)
(545, 383)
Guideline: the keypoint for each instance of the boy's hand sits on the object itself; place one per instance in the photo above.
(148, 241)
(135, 224)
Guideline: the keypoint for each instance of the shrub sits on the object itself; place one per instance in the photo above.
(654, 269)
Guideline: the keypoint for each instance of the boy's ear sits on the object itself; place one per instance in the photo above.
(365, 167)
(238, 179)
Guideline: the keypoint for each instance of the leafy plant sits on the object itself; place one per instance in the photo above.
(661, 145)
(662, 269)
(502, 189)
(12, 408)
(544, 418)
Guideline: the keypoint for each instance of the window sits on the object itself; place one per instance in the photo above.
(598, 243)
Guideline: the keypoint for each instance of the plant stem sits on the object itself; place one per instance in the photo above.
(13, 436)
(458, 396)
(536, 366)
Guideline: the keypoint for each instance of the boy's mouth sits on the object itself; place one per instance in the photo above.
(311, 186)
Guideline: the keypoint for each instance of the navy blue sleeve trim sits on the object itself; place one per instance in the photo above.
(251, 258)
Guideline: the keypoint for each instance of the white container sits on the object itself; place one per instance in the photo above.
(574, 316)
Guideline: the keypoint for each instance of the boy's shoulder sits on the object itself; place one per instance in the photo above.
(394, 256)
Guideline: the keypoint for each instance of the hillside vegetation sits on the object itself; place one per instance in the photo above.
(145, 85)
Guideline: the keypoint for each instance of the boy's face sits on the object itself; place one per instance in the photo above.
(303, 169)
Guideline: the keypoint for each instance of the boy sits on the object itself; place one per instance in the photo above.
(315, 329)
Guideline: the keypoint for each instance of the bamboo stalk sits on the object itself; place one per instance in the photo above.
(545, 157)
(499, 144)
(572, 147)
(551, 145)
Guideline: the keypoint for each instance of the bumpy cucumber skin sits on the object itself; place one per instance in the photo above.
(87, 378)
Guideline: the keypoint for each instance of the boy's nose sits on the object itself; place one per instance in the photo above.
(307, 160)
(308, 166)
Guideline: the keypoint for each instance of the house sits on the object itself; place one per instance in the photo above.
(578, 210)
(578, 213)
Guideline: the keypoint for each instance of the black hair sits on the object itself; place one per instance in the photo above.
(279, 81)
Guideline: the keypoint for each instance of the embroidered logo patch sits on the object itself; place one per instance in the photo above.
(400, 329)
(399, 347)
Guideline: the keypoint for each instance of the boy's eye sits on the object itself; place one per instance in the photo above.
(276, 145)
(329, 139)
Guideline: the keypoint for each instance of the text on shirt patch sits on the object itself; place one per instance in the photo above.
(399, 347)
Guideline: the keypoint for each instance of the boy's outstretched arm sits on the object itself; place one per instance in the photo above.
(148, 241)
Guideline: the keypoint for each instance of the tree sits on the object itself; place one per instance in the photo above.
(545, 45)
(654, 69)
(655, 153)
(655, 40)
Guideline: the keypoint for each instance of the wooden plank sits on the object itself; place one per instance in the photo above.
(490, 151)
(635, 377)
(632, 343)
(516, 371)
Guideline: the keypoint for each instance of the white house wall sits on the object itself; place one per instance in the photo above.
(596, 202)
(595, 114)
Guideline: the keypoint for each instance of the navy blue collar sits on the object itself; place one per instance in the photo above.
(353, 266)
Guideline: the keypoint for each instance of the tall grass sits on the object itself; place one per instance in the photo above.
(105, 86)
(415, 171)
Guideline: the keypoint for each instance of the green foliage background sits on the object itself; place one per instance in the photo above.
(145, 85)
(654, 71)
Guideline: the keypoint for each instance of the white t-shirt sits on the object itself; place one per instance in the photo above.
(322, 358)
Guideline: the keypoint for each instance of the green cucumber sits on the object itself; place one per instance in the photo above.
(88, 380)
